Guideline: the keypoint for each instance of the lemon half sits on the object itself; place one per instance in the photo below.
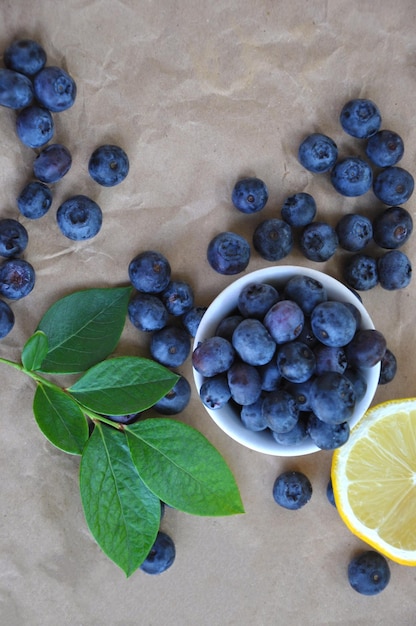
(374, 479)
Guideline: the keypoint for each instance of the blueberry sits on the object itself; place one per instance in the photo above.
(215, 392)
(294, 436)
(354, 232)
(329, 359)
(318, 241)
(161, 555)
(318, 153)
(35, 200)
(249, 195)
(17, 279)
(176, 400)
(252, 416)
(327, 436)
(393, 185)
(178, 297)
(170, 346)
(108, 165)
(54, 88)
(6, 319)
(301, 392)
(273, 239)
(52, 163)
(192, 318)
(366, 349)
(296, 361)
(392, 227)
(149, 272)
(360, 118)
(384, 148)
(360, 272)
(330, 493)
(25, 56)
(299, 209)
(253, 343)
(13, 238)
(388, 367)
(284, 321)
(270, 375)
(394, 270)
(352, 176)
(213, 356)
(34, 126)
(255, 299)
(280, 410)
(333, 323)
(16, 91)
(227, 326)
(369, 573)
(244, 382)
(292, 490)
(307, 335)
(147, 312)
(358, 381)
(306, 291)
(79, 218)
(332, 397)
(228, 253)
(131, 418)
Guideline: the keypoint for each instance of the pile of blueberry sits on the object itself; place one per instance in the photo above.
(290, 360)
(37, 91)
(274, 238)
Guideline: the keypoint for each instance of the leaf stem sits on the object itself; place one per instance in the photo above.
(34, 375)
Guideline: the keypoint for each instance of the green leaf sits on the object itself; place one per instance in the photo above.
(182, 467)
(34, 351)
(122, 514)
(123, 385)
(83, 328)
(60, 419)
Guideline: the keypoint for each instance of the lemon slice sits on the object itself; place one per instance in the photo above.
(374, 479)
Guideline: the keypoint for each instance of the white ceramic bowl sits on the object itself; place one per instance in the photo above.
(225, 304)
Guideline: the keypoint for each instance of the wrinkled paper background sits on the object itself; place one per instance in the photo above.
(198, 94)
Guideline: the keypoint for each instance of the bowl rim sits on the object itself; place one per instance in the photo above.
(226, 418)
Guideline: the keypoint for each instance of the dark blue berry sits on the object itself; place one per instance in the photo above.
(176, 400)
(354, 232)
(52, 163)
(284, 321)
(333, 324)
(360, 272)
(252, 416)
(270, 375)
(213, 356)
(292, 490)
(388, 367)
(25, 56)
(385, 148)
(147, 312)
(332, 397)
(131, 418)
(17, 279)
(108, 165)
(352, 176)
(294, 436)
(280, 410)
(255, 299)
(16, 90)
(394, 270)
(178, 297)
(318, 153)
(149, 272)
(360, 118)
(358, 381)
(228, 253)
(244, 382)
(249, 195)
(296, 361)
(35, 200)
(306, 291)
(215, 392)
(299, 209)
(327, 436)
(366, 349)
(54, 88)
(329, 359)
(273, 239)
(227, 326)
(161, 555)
(393, 185)
(192, 318)
(301, 392)
(318, 241)
(170, 346)
(369, 573)
(330, 493)
(392, 227)
(79, 218)
(34, 126)
(253, 343)
(13, 238)
(6, 319)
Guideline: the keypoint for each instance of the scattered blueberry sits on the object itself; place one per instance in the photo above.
(161, 556)
(25, 56)
(393, 185)
(13, 238)
(299, 209)
(273, 239)
(176, 400)
(360, 118)
(213, 356)
(369, 573)
(6, 319)
(318, 153)
(52, 163)
(354, 232)
(79, 218)
(16, 90)
(170, 346)
(108, 165)
(360, 271)
(394, 270)
(388, 367)
(249, 195)
(54, 88)
(228, 253)
(392, 227)
(255, 299)
(292, 490)
(17, 279)
(333, 323)
(385, 148)
(318, 241)
(34, 126)
(131, 418)
(332, 397)
(330, 493)
(178, 297)
(147, 312)
(35, 200)
(325, 435)
(149, 272)
(215, 392)
(352, 176)
(192, 318)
